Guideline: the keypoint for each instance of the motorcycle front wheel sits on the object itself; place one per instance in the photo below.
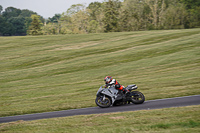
(103, 103)
(137, 97)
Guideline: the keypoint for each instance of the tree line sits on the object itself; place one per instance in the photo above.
(107, 16)
(14, 21)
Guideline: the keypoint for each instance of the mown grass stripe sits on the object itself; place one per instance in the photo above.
(41, 70)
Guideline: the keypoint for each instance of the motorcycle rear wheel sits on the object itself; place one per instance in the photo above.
(103, 103)
(137, 97)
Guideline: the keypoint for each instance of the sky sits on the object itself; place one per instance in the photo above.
(44, 8)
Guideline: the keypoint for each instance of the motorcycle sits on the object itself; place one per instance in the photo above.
(110, 96)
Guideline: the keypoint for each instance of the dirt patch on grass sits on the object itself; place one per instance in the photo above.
(77, 46)
(117, 117)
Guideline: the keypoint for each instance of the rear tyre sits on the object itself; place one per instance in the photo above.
(103, 103)
(137, 97)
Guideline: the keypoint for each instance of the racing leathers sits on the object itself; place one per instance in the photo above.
(114, 82)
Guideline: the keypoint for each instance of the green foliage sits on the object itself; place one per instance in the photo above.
(80, 22)
(26, 13)
(54, 19)
(75, 9)
(131, 17)
(11, 12)
(1, 9)
(191, 4)
(110, 17)
(18, 24)
(35, 27)
(93, 26)
(177, 21)
(5, 27)
(95, 10)
(15, 21)
(193, 10)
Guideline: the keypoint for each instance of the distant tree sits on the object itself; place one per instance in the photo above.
(53, 25)
(35, 27)
(193, 9)
(18, 24)
(95, 10)
(111, 13)
(175, 16)
(70, 19)
(132, 16)
(11, 12)
(75, 20)
(75, 9)
(54, 19)
(157, 8)
(27, 13)
(80, 21)
(190, 4)
(125, 21)
(96, 15)
(5, 27)
(93, 26)
(28, 21)
(49, 29)
(2, 22)
(125, 15)
(66, 24)
(194, 17)
(1, 9)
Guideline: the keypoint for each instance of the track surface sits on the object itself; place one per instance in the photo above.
(147, 105)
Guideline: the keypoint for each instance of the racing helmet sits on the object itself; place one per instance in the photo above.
(107, 79)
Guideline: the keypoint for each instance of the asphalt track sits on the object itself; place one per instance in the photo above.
(147, 105)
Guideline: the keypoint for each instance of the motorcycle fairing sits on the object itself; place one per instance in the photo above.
(111, 92)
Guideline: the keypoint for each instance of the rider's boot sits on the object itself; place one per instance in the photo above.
(127, 93)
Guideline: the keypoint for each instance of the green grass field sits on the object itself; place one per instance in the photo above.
(49, 73)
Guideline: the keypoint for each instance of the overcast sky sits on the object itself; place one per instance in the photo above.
(45, 8)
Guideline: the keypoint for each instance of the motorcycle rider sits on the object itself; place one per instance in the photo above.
(109, 81)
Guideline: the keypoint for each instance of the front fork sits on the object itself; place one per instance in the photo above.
(104, 97)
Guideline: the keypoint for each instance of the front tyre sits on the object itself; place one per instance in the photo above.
(103, 103)
(137, 97)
